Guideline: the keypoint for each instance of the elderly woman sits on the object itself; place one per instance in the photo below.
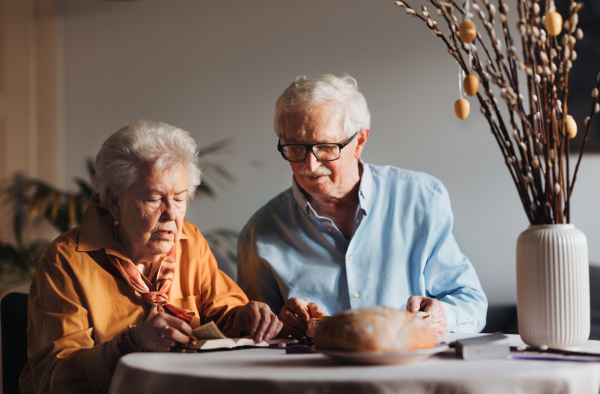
(134, 276)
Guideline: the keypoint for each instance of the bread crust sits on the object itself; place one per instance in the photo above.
(376, 329)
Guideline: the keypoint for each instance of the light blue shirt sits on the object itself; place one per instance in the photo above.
(401, 245)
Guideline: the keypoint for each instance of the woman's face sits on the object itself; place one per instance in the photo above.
(151, 214)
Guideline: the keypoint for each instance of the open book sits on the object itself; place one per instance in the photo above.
(210, 337)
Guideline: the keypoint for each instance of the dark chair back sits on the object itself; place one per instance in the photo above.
(501, 318)
(595, 302)
(13, 312)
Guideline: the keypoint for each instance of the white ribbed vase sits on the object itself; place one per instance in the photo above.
(553, 286)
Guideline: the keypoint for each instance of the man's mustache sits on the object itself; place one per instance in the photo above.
(318, 172)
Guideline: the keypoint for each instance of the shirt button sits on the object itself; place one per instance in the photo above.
(356, 295)
(350, 257)
(328, 228)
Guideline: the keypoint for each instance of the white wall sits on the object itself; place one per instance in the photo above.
(215, 68)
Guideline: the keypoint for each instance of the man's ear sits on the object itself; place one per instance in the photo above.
(362, 138)
(113, 204)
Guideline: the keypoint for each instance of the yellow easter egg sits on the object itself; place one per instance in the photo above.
(571, 127)
(467, 32)
(553, 23)
(462, 108)
(471, 85)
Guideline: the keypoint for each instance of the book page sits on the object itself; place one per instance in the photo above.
(248, 342)
(227, 343)
(208, 331)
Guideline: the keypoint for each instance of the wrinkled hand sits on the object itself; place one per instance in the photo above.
(148, 334)
(295, 315)
(437, 316)
(258, 319)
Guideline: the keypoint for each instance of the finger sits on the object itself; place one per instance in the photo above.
(265, 321)
(254, 315)
(163, 348)
(431, 308)
(294, 332)
(165, 340)
(315, 310)
(414, 303)
(438, 329)
(298, 306)
(180, 325)
(177, 335)
(273, 329)
(289, 319)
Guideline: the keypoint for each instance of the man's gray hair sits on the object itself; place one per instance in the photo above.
(124, 154)
(306, 92)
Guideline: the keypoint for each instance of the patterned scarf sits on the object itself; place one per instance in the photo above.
(157, 297)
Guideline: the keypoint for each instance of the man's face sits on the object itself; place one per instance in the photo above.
(322, 178)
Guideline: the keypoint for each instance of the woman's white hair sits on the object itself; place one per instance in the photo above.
(307, 92)
(123, 155)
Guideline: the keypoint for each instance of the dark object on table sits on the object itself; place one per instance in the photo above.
(552, 354)
(13, 312)
(484, 347)
(304, 345)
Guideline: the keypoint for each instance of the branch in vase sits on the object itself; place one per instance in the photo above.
(537, 142)
(588, 124)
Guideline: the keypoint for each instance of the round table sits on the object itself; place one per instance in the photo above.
(268, 371)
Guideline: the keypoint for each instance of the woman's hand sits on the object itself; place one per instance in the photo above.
(437, 315)
(295, 315)
(257, 318)
(161, 333)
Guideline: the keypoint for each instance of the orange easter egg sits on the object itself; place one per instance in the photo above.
(471, 85)
(571, 127)
(462, 108)
(553, 23)
(467, 32)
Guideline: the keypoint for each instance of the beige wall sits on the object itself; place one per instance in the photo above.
(215, 68)
(30, 85)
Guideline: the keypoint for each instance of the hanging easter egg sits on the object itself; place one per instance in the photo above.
(462, 108)
(553, 23)
(571, 127)
(467, 32)
(471, 85)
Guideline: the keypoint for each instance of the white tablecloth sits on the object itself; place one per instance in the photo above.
(267, 371)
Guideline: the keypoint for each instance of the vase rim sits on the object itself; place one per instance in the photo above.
(561, 225)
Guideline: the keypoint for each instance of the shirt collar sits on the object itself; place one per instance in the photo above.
(96, 231)
(364, 193)
(301, 198)
(366, 187)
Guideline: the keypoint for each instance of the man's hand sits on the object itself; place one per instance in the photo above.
(258, 319)
(437, 316)
(295, 315)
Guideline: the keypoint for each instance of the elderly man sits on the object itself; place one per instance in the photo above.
(348, 234)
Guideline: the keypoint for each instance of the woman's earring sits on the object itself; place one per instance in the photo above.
(115, 230)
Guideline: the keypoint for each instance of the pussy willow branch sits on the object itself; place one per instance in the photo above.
(533, 152)
(500, 133)
(588, 122)
(506, 84)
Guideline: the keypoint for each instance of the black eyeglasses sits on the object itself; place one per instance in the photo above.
(323, 152)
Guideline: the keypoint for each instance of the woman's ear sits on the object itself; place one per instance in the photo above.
(113, 204)
(362, 138)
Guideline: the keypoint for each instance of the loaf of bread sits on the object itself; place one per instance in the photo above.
(376, 329)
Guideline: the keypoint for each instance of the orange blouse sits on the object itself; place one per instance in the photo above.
(78, 301)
